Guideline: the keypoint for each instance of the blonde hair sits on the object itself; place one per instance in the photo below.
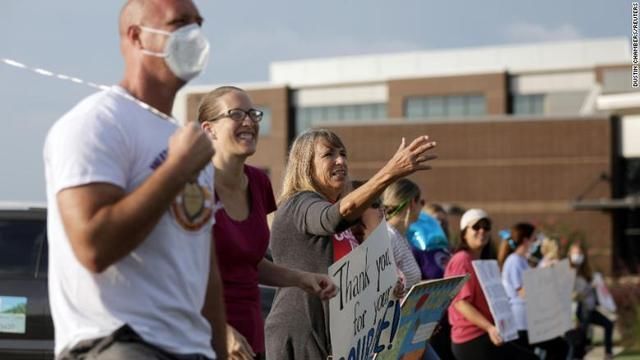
(433, 209)
(550, 248)
(210, 104)
(298, 174)
(397, 196)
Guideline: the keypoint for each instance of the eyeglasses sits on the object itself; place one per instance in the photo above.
(240, 115)
(482, 225)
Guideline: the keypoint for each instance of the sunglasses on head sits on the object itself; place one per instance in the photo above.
(482, 224)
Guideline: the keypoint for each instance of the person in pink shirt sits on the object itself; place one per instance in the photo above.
(241, 233)
(473, 332)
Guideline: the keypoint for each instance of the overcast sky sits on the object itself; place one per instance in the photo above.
(79, 37)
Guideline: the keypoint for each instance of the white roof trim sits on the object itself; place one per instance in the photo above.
(618, 101)
(515, 59)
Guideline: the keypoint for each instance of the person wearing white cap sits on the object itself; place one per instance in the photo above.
(473, 332)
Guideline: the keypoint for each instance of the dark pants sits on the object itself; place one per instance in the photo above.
(555, 349)
(577, 340)
(441, 339)
(596, 318)
(479, 348)
(123, 343)
(482, 348)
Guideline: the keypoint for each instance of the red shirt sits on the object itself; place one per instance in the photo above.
(343, 243)
(462, 330)
(240, 246)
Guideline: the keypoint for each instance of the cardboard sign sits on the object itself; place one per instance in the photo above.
(421, 310)
(548, 301)
(366, 278)
(490, 280)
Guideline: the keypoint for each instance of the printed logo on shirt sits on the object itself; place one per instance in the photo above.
(193, 207)
(343, 243)
(159, 159)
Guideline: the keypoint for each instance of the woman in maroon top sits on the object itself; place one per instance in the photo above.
(241, 231)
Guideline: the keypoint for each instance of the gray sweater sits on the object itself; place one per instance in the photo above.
(301, 238)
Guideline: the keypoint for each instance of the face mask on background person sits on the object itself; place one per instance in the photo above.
(577, 259)
(186, 51)
(534, 248)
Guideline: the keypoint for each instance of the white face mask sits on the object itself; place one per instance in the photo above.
(186, 52)
(577, 259)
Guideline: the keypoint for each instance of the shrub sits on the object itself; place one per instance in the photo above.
(626, 293)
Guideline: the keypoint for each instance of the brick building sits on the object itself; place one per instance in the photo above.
(545, 133)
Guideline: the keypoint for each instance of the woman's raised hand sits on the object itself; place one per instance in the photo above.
(411, 158)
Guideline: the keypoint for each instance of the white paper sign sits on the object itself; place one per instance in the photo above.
(602, 292)
(548, 301)
(565, 280)
(366, 278)
(488, 275)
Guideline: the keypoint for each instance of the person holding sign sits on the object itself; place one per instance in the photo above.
(586, 297)
(401, 202)
(512, 258)
(550, 252)
(228, 116)
(474, 334)
(313, 208)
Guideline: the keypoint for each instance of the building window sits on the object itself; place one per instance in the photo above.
(265, 124)
(431, 107)
(528, 104)
(414, 108)
(435, 106)
(476, 106)
(307, 117)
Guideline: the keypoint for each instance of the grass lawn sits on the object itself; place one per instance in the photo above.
(629, 355)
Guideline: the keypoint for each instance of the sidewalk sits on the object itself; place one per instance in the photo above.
(597, 353)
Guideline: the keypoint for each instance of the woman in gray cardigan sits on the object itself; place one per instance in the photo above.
(313, 208)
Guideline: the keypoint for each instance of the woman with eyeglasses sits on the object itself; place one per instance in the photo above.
(241, 233)
(401, 204)
(513, 260)
(369, 220)
(315, 205)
